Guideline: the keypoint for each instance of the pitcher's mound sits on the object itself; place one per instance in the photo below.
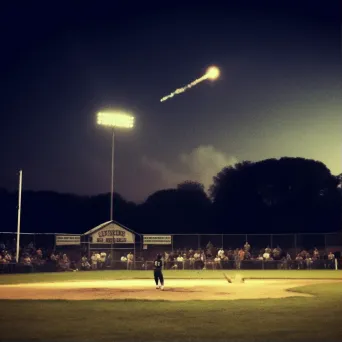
(175, 290)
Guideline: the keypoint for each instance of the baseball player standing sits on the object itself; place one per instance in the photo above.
(158, 273)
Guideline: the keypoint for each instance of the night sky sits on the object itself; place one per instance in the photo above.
(279, 93)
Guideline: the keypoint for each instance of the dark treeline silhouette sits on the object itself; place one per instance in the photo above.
(271, 196)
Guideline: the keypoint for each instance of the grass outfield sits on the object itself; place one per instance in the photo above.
(293, 319)
(179, 274)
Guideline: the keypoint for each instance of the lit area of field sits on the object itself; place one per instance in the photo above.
(169, 274)
(143, 289)
(195, 306)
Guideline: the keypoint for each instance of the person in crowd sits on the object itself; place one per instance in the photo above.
(203, 260)
(209, 249)
(98, 259)
(93, 261)
(217, 262)
(180, 262)
(27, 262)
(130, 261)
(247, 247)
(39, 253)
(8, 257)
(109, 260)
(266, 255)
(248, 255)
(237, 259)
(2, 260)
(197, 257)
(209, 245)
(331, 260)
(288, 261)
(123, 259)
(64, 263)
(308, 262)
(53, 257)
(85, 265)
(241, 257)
(192, 261)
(276, 253)
(103, 256)
(299, 261)
(316, 253)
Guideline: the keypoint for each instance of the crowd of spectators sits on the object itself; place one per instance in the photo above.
(45, 260)
(214, 258)
(38, 259)
(34, 259)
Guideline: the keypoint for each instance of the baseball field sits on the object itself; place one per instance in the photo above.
(194, 306)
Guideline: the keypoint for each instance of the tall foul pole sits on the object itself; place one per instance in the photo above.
(112, 179)
(19, 213)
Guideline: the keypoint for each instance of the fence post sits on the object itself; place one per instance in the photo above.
(134, 256)
(295, 243)
(199, 241)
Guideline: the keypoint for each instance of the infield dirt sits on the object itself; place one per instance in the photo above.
(143, 289)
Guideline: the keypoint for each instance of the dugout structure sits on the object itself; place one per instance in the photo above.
(113, 238)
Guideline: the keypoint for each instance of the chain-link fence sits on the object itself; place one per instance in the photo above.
(44, 241)
(200, 241)
(293, 242)
(40, 240)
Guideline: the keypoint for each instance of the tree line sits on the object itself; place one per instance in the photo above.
(284, 195)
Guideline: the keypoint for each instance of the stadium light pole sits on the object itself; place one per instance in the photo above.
(114, 120)
(19, 214)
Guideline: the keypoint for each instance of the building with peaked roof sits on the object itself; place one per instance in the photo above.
(112, 236)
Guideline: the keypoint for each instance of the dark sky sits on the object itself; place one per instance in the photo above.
(279, 93)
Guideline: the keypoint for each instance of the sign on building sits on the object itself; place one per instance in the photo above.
(113, 234)
(68, 240)
(157, 240)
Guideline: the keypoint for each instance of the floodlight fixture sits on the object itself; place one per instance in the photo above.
(115, 119)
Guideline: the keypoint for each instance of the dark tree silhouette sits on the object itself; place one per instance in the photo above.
(47, 211)
(340, 186)
(180, 210)
(191, 186)
(285, 195)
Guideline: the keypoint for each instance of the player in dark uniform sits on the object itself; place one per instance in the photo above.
(158, 273)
